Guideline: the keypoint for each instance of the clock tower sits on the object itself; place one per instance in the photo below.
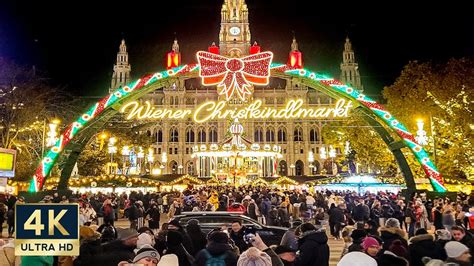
(234, 37)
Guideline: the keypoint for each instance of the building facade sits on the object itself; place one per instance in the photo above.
(174, 140)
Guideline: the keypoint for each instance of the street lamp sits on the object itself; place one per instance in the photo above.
(311, 161)
(125, 154)
(140, 156)
(112, 149)
(164, 160)
(421, 137)
(150, 158)
(332, 155)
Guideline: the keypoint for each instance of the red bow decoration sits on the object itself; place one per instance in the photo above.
(234, 75)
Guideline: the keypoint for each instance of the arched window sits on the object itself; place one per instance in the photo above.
(190, 135)
(258, 134)
(282, 168)
(298, 134)
(281, 135)
(299, 168)
(313, 135)
(173, 135)
(201, 135)
(159, 136)
(174, 167)
(270, 135)
(213, 135)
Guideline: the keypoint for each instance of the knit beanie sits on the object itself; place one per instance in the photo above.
(254, 257)
(144, 239)
(392, 222)
(455, 249)
(443, 234)
(369, 242)
(146, 251)
(357, 258)
(398, 249)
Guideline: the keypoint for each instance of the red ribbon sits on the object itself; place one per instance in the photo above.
(234, 75)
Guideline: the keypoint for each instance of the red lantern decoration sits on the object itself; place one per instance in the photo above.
(173, 59)
(213, 48)
(255, 48)
(295, 59)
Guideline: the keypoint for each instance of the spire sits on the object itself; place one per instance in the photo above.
(294, 44)
(122, 68)
(175, 47)
(349, 68)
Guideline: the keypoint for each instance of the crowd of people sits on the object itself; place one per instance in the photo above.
(376, 229)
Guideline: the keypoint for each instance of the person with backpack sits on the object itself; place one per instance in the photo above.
(218, 251)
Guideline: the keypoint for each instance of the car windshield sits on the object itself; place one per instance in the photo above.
(218, 221)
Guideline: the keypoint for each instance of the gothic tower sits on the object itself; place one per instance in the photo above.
(122, 68)
(234, 37)
(349, 68)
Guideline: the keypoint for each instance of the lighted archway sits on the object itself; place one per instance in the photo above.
(110, 105)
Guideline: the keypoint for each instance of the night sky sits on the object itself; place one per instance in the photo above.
(75, 42)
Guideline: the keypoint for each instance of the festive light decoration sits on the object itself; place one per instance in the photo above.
(122, 93)
(211, 110)
(213, 49)
(295, 60)
(255, 48)
(421, 137)
(322, 153)
(52, 134)
(234, 75)
(173, 59)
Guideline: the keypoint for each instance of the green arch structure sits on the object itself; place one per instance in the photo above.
(76, 135)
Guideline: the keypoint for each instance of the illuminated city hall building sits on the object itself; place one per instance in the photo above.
(195, 139)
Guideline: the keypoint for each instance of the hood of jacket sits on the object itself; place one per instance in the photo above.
(392, 232)
(422, 238)
(218, 248)
(318, 236)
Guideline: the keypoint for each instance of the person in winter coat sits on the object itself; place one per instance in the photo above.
(283, 216)
(336, 219)
(423, 245)
(459, 234)
(90, 246)
(438, 217)
(265, 208)
(237, 235)
(392, 231)
(116, 251)
(252, 210)
(154, 221)
(313, 247)
(217, 248)
(108, 212)
(361, 212)
(458, 254)
(198, 238)
(289, 238)
(174, 245)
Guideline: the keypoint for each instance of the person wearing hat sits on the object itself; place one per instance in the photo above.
(218, 248)
(357, 258)
(443, 236)
(286, 254)
(174, 245)
(119, 250)
(289, 238)
(90, 245)
(458, 253)
(174, 225)
(392, 231)
(371, 246)
(312, 245)
(423, 245)
(198, 238)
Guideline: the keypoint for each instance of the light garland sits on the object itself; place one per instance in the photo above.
(122, 93)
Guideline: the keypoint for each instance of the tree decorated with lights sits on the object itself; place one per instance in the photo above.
(441, 95)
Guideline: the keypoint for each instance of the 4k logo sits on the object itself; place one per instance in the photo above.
(47, 229)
